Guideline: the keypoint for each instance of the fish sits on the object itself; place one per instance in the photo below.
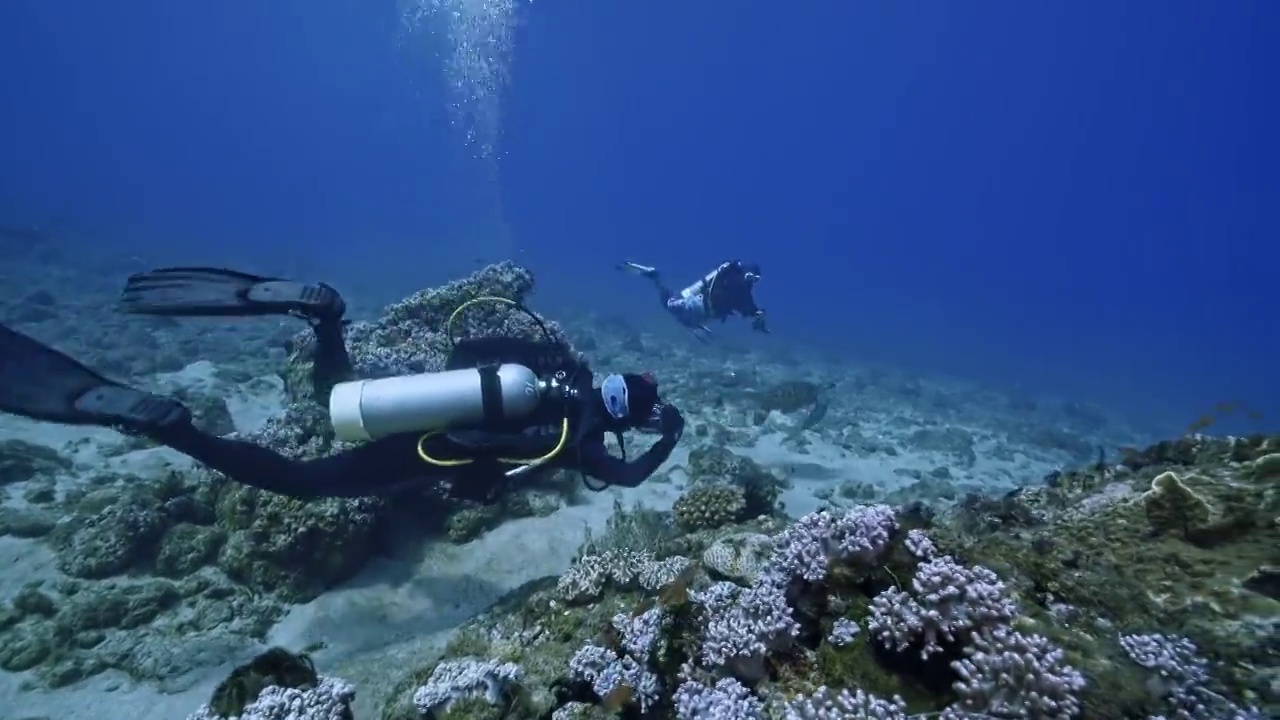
(1201, 423)
(609, 635)
(676, 593)
(617, 698)
(643, 606)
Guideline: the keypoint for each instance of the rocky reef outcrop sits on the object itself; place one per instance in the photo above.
(414, 335)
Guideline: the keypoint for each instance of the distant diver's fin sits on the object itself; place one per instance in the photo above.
(638, 269)
(41, 383)
(216, 292)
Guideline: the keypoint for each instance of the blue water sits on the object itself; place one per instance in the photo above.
(1077, 199)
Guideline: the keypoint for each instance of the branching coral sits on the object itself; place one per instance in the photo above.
(947, 600)
(454, 681)
(1181, 678)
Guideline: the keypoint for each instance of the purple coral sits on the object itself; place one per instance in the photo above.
(1009, 674)
(455, 680)
(640, 633)
(843, 632)
(919, 544)
(330, 699)
(741, 626)
(607, 671)
(1182, 677)
(826, 704)
(1175, 660)
(727, 700)
(947, 599)
(859, 537)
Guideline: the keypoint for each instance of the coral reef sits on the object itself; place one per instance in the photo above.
(709, 507)
(716, 465)
(1081, 605)
(278, 685)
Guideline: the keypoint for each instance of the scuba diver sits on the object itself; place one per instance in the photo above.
(720, 293)
(503, 407)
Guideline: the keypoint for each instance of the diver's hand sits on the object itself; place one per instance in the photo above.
(757, 322)
(672, 422)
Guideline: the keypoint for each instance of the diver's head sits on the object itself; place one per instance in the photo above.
(631, 400)
(751, 271)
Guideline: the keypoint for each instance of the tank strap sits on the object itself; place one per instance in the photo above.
(490, 394)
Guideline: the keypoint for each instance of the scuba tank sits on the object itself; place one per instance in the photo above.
(369, 409)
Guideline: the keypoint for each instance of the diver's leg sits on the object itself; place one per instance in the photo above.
(39, 382)
(195, 292)
(331, 364)
(375, 468)
(650, 272)
(665, 294)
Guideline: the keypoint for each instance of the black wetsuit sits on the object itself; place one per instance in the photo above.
(393, 462)
(733, 293)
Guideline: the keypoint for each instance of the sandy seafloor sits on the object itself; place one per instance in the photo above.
(402, 608)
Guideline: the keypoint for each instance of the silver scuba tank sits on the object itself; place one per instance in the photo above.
(370, 409)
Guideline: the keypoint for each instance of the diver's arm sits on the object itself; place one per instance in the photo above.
(599, 464)
(367, 470)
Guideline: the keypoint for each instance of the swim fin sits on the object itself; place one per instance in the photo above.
(216, 292)
(638, 269)
(41, 383)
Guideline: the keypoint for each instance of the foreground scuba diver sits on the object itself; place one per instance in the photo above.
(503, 406)
(720, 293)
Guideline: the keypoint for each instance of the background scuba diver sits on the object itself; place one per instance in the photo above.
(719, 294)
(563, 425)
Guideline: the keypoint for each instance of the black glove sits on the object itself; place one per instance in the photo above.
(757, 323)
(672, 422)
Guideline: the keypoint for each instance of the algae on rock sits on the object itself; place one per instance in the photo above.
(21, 461)
(709, 507)
(717, 466)
(149, 628)
(119, 537)
(1173, 507)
